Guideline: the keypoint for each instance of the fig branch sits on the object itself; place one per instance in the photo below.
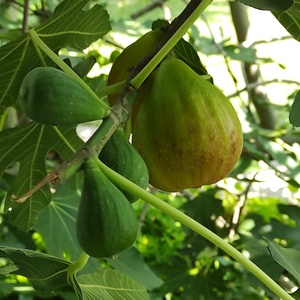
(164, 207)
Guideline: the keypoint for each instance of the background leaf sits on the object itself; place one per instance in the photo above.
(131, 263)
(108, 284)
(29, 145)
(184, 51)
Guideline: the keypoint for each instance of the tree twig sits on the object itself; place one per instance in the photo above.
(259, 83)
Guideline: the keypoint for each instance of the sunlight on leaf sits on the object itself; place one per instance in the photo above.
(131, 262)
(107, 284)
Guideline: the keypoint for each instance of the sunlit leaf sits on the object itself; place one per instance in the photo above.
(108, 284)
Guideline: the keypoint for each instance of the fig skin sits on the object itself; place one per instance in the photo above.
(130, 56)
(186, 130)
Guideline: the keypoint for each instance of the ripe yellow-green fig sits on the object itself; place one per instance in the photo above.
(186, 130)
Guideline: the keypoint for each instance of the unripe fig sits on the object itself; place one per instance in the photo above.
(51, 97)
(130, 56)
(106, 223)
(119, 154)
(186, 130)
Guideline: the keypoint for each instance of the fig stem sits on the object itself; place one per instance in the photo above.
(175, 31)
(78, 264)
(166, 208)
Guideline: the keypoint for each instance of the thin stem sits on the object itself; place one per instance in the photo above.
(197, 227)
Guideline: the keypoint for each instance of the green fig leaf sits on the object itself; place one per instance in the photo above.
(131, 263)
(108, 284)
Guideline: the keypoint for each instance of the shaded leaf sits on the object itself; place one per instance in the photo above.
(287, 258)
(295, 111)
(29, 145)
(68, 26)
(131, 263)
(56, 223)
(108, 284)
(45, 272)
(290, 19)
(186, 52)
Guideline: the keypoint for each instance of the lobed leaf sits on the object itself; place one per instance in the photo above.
(28, 146)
